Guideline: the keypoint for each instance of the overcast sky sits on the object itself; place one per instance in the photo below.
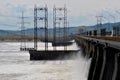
(80, 12)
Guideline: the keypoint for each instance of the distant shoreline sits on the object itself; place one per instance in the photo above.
(27, 38)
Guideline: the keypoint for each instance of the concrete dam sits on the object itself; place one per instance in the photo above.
(105, 57)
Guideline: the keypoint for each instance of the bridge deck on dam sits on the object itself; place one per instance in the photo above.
(115, 44)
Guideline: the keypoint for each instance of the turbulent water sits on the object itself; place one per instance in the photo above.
(15, 65)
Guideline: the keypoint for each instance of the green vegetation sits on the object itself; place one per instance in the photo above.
(15, 38)
(18, 38)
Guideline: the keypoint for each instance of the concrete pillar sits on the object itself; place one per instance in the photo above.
(93, 63)
(108, 67)
(117, 74)
(99, 62)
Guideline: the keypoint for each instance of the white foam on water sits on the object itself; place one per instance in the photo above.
(17, 66)
(82, 67)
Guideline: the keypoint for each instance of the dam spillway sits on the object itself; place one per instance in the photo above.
(105, 57)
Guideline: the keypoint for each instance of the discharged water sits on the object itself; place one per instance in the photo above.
(15, 65)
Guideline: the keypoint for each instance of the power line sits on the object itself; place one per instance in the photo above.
(7, 25)
(10, 16)
(117, 12)
(110, 15)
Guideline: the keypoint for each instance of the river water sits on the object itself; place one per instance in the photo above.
(15, 65)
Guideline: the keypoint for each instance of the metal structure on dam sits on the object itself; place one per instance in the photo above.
(105, 57)
(61, 19)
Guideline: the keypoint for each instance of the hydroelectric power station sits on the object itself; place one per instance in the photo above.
(97, 45)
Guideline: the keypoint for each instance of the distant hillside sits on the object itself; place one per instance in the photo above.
(30, 31)
(3, 32)
(72, 30)
(108, 26)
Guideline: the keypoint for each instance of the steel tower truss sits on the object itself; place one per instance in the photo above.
(43, 19)
(59, 22)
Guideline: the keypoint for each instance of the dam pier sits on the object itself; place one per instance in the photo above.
(105, 57)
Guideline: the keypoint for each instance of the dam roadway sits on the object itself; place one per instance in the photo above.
(105, 57)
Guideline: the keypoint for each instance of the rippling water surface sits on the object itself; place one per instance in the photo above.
(15, 65)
